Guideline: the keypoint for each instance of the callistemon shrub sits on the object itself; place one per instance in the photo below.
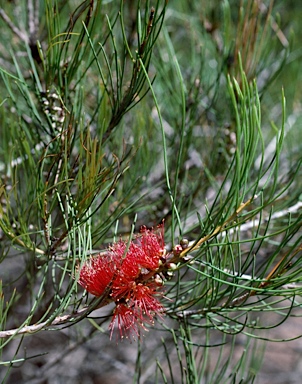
(127, 274)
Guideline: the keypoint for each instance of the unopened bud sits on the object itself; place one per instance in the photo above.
(158, 280)
(169, 274)
(184, 243)
(172, 266)
(177, 249)
(163, 253)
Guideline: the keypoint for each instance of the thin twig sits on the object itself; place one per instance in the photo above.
(193, 246)
(217, 230)
(276, 215)
(17, 240)
(23, 36)
(235, 302)
(59, 320)
(31, 20)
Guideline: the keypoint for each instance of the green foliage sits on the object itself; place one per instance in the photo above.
(121, 114)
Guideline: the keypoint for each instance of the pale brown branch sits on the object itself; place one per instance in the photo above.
(59, 320)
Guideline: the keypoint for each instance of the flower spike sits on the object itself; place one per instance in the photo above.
(126, 273)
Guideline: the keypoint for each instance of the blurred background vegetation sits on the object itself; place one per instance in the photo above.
(117, 114)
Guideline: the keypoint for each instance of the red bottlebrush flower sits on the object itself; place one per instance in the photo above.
(97, 274)
(127, 273)
(126, 321)
(153, 247)
(127, 258)
(138, 310)
(145, 302)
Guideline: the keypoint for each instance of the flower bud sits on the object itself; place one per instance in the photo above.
(171, 266)
(184, 243)
(177, 249)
